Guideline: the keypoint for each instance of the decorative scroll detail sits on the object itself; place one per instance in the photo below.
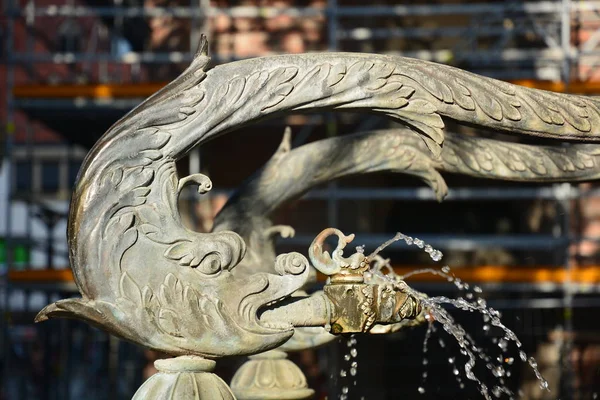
(368, 308)
(134, 260)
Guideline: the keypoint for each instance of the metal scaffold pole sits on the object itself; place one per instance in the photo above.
(9, 129)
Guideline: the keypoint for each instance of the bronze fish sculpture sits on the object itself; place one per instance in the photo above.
(147, 278)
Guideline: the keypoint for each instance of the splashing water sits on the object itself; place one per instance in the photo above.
(436, 312)
(435, 255)
(430, 330)
(352, 366)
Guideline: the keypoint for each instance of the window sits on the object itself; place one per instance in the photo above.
(23, 177)
(50, 176)
(70, 36)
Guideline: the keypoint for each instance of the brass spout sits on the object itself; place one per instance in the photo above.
(347, 304)
(358, 306)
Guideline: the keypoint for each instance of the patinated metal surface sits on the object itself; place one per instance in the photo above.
(147, 278)
(292, 172)
(270, 376)
(183, 378)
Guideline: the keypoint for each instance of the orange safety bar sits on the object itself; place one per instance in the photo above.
(133, 90)
(100, 91)
(504, 274)
(588, 88)
(43, 275)
(483, 274)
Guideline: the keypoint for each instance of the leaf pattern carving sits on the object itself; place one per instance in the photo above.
(175, 304)
(504, 160)
(130, 291)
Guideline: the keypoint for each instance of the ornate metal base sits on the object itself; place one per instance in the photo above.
(270, 376)
(184, 378)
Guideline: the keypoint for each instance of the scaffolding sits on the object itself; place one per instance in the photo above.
(73, 68)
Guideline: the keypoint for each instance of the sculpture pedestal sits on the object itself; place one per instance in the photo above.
(183, 378)
(270, 376)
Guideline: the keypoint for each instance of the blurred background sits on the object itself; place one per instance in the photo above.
(71, 68)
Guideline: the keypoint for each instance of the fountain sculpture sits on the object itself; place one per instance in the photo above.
(146, 278)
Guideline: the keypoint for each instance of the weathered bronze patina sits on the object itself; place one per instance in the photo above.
(147, 278)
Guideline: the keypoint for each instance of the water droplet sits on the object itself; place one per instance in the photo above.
(497, 391)
(424, 374)
(345, 390)
(532, 362)
(468, 348)
(445, 269)
(462, 385)
(428, 249)
(408, 240)
(353, 371)
(353, 352)
(354, 364)
(477, 289)
(503, 344)
(343, 373)
(509, 360)
(523, 356)
(469, 296)
(419, 243)
(421, 389)
(347, 357)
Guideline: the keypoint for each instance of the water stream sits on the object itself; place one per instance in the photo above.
(436, 308)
